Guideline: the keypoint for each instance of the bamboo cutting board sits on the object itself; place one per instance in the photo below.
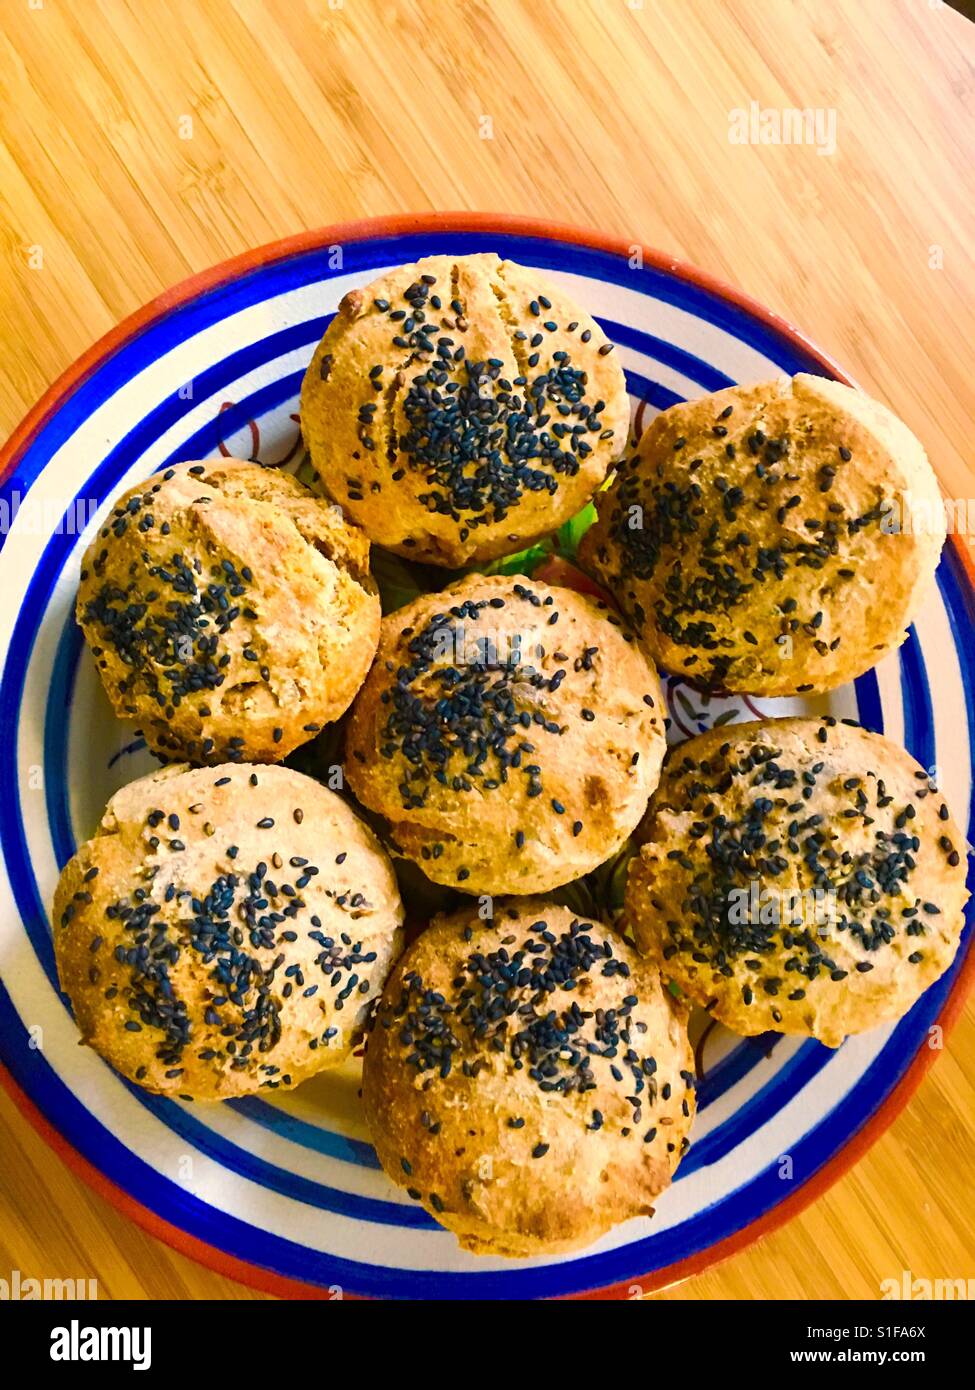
(141, 143)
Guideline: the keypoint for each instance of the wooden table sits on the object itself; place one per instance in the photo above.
(141, 143)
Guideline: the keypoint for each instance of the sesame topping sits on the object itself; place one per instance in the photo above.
(522, 1006)
(246, 934)
(862, 872)
(478, 722)
(704, 547)
(479, 435)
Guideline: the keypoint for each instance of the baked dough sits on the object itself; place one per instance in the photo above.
(230, 611)
(773, 539)
(510, 734)
(798, 875)
(225, 930)
(528, 1080)
(462, 407)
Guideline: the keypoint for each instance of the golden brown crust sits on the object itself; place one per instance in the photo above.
(489, 1079)
(749, 815)
(509, 732)
(397, 459)
(230, 611)
(753, 540)
(256, 917)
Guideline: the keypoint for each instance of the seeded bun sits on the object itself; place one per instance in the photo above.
(225, 930)
(460, 408)
(753, 538)
(230, 611)
(808, 806)
(510, 734)
(528, 1080)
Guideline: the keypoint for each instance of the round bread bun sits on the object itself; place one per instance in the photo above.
(510, 734)
(773, 539)
(226, 930)
(798, 875)
(462, 407)
(527, 1079)
(230, 611)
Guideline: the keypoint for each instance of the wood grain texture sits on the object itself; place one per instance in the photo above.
(610, 114)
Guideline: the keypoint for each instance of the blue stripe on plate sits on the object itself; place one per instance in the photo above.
(57, 724)
(959, 599)
(758, 1108)
(734, 1066)
(253, 407)
(323, 1141)
(643, 389)
(919, 738)
(870, 710)
(694, 368)
(104, 480)
(182, 1121)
